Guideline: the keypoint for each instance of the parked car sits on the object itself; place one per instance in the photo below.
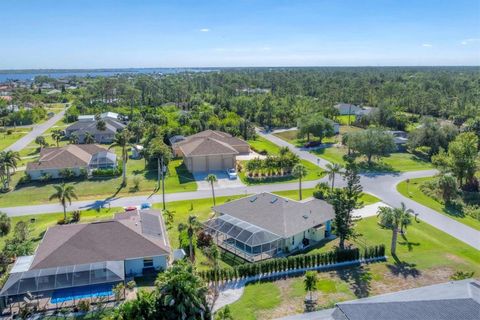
(232, 174)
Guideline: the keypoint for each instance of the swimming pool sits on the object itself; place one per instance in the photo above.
(79, 293)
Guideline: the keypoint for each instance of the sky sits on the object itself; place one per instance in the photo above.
(234, 33)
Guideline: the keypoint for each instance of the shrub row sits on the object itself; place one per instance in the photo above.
(291, 263)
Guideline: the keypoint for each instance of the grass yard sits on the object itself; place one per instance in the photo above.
(399, 161)
(178, 180)
(291, 136)
(425, 256)
(8, 139)
(262, 144)
(345, 119)
(412, 190)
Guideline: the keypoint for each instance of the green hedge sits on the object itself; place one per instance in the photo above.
(292, 263)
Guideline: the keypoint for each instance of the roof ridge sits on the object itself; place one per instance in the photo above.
(145, 236)
(69, 236)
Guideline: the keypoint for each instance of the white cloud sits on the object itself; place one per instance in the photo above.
(427, 45)
(469, 41)
(204, 30)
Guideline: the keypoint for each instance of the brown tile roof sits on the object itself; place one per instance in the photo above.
(210, 142)
(122, 238)
(70, 156)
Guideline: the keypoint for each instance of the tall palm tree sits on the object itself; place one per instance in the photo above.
(73, 138)
(212, 179)
(192, 226)
(57, 135)
(299, 171)
(64, 193)
(395, 219)
(9, 160)
(122, 140)
(88, 139)
(310, 282)
(332, 170)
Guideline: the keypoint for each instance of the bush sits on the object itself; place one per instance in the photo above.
(75, 216)
(25, 179)
(5, 224)
(9, 131)
(45, 177)
(107, 172)
(204, 240)
(67, 173)
(84, 306)
(131, 285)
(61, 221)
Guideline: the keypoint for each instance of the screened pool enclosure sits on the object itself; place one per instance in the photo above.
(243, 239)
(41, 282)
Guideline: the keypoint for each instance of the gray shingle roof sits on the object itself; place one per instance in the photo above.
(452, 309)
(80, 127)
(281, 216)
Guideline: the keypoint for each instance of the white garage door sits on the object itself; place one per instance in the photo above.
(215, 163)
(199, 164)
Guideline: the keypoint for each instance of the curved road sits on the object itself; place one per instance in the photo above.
(381, 185)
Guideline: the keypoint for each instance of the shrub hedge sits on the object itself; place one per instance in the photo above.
(292, 263)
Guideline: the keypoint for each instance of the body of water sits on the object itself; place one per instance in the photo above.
(57, 74)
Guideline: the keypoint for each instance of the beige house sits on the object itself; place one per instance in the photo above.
(78, 158)
(209, 151)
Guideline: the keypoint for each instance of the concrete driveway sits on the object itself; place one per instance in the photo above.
(223, 182)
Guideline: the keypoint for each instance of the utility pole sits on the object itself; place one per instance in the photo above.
(163, 185)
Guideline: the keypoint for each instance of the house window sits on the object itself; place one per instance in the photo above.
(148, 262)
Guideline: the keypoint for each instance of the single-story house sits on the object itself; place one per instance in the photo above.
(110, 115)
(210, 150)
(453, 300)
(347, 109)
(77, 157)
(265, 225)
(88, 257)
(400, 138)
(87, 124)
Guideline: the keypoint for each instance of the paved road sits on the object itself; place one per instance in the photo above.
(381, 185)
(35, 132)
(384, 186)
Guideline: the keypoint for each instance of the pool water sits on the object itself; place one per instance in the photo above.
(79, 293)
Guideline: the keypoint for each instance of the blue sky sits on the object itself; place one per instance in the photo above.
(180, 33)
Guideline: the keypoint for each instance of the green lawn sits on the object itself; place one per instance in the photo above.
(344, 120)
(412, 190)
(178, 180)
(425, 256)
(8, 139)
(399, 161)
(262, 144)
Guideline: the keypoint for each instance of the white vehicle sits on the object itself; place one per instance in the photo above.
(232, 174)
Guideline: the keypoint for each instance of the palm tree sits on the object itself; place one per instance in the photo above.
(88, 139)
(101, 125)
(299, 171)
(310, 282)
(332, 170)
(64, 193)
(122, 140)
(212, 179)
(192, 226)
(157, 149)
(9, 160)
(394, 218)
(168, 218)
(57, 135)
(73, 138)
